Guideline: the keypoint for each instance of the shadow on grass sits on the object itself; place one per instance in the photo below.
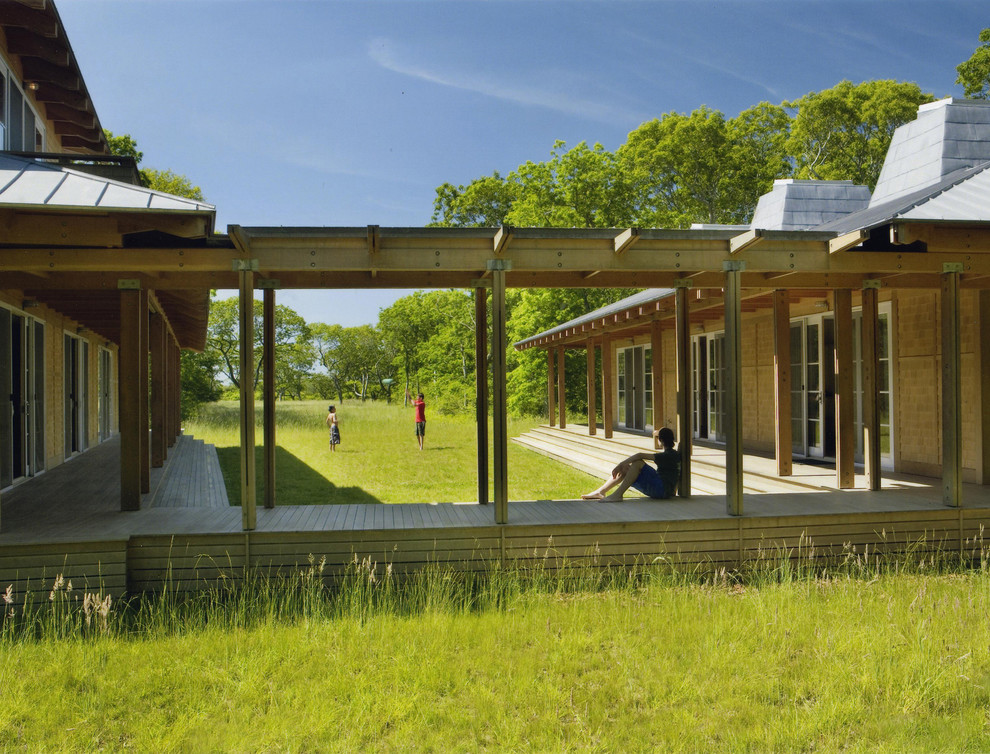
(296, 483)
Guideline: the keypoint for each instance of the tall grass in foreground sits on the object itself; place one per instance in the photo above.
(366, 589)
(862, 653)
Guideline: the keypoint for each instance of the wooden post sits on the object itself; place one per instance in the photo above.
(845, 407)
(167, 380)
(782, 382)
(500, 430)
(656, 359)
(246, 379)
(130, 397)
(983, 355)
(176, 393)
(951, 388)
(682, 354)
(608, 364)
(481, 387)
(159, 405)
(268, 394)
(561, 397)
(733, 389)
(551, 390)
(145, 392)
(592, 408)
(870, 366)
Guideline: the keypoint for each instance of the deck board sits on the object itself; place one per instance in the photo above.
(69, 517)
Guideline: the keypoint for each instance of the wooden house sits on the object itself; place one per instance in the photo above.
(103, 282)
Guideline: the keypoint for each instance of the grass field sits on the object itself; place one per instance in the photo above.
(866, 663)
(865, 654)
(378, 459)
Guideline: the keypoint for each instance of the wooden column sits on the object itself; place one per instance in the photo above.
(167, 383)
(656, 350)
(592, 408)
(951, 388)
(733, 389)
(176, 394)
(845, 407)
(130, 397)
(246, 379)
(682, 354)
(500, 430)
(159, 401)
(145, 393)
(983, 364)
(561, 397)
(608, 364)
(551, 390)
(268, 394)
(870, 366)
(481, 387)
(782, 382)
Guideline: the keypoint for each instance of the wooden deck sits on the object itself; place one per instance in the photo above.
(68, 521)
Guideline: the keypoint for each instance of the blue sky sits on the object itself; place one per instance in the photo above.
(352, 113)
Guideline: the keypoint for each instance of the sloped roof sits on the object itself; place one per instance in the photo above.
(947, 136)
(800, 204)
(27, 183)
(637, 299)
(960, 196)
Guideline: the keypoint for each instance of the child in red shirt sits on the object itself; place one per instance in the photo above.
(420, 405)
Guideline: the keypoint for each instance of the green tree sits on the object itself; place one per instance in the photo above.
(165, 181)
(199, 384)
(327, 342)
(293, 352)
(843, 133)
(483, 203)
(974, 74)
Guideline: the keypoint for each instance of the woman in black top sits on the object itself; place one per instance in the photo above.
(659, 483)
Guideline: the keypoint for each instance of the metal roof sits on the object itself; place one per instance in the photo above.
(800, 204)
(27, 183)
(959, 197)
(637, 299)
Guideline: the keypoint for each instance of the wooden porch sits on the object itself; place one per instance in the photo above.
(68, 522)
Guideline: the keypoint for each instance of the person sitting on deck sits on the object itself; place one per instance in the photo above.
(659, 483)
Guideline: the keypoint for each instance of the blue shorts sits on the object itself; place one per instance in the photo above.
(649, 483)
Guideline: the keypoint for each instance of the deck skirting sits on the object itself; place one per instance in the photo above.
(149, 562)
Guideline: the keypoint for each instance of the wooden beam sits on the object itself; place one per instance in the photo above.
(246, 384)
(143, 388)
(951, 390)
(129, 399)
(847, 241)
(481, 387)
(500, 429)
(783, 439)
(983, 356)
(745, 240)
(561, 393)
(551, 389)
(685, 395)
(657, 362)
(503, 236)
(268, 392)
(158, 388)
(733, 391)
(592, 384)
(845, 408)
(608, 365)
(870, 366)
(626, 239)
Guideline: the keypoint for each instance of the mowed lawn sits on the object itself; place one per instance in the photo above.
(378, 459)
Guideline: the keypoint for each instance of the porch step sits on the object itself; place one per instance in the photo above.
(596, 455)
(192, 477)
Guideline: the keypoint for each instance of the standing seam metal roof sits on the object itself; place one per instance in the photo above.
(25, 182)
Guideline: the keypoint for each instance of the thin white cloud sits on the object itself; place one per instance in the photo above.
(384, 54)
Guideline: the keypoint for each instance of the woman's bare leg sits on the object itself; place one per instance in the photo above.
(623, 484)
